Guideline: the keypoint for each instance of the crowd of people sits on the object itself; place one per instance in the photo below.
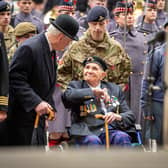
(80, 59)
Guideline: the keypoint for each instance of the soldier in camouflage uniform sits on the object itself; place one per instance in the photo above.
(6, 29)
(95, 42)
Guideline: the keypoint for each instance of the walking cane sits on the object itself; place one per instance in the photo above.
(98, 116)
(35, 139)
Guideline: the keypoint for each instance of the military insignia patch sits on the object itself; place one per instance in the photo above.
(101, 18)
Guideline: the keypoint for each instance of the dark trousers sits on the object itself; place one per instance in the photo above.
(154, 129)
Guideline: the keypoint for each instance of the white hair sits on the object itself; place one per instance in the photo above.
(53, 30)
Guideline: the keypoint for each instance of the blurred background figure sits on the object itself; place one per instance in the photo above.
(134, 44)
(38, 8)
(81, 8)
(161, 14)
(6, 28)
(4, 91)
(147, 22)
(25, 15)
(24, 31)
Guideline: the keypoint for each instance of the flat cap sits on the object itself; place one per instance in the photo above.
(97, 60)
(97, 14)
(4, 6)
(25, 28)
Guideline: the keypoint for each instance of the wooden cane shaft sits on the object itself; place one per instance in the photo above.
(107, 136)
(36, 121)
(51, 114)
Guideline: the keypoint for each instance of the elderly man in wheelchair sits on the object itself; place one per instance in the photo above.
(94, 102)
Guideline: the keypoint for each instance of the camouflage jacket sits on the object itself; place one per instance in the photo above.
(70, 66)
(10, 42)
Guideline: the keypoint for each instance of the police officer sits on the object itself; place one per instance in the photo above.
(95, 41)
(6, 29)
(135, 45)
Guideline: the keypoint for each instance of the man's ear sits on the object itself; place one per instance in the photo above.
(60, 36)
(104, 74)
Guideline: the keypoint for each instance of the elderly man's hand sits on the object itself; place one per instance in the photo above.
(3, 116)
(101, 94)
(110, 117)
(42, 108)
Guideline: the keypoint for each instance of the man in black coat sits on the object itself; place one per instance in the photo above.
(4, 90)
(88, 97)
(32, 79)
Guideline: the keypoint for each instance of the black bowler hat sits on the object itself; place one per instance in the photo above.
(4, 6)
(97, 14)
(67, 25)
(97, 60)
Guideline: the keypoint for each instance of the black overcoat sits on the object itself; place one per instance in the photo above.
(32, 78)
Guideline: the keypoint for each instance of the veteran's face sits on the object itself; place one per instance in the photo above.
(5, 18)
(25, 6)
(93, 73)
(97, 30)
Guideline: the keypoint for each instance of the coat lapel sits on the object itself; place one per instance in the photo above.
(48, 58)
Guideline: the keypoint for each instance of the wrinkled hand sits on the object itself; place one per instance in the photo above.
(101, 93)
(42, 108)
(3, 116)
(110, 117)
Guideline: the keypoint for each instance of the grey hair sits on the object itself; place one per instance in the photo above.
(53, 30)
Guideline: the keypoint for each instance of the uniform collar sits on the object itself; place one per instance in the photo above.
(103, 44)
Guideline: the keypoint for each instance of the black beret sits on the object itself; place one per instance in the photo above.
(97, 60)
(97, 14)
(4, 6)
